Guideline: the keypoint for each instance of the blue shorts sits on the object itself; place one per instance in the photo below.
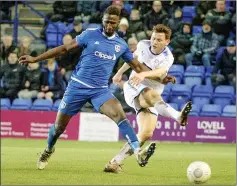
(76, 95)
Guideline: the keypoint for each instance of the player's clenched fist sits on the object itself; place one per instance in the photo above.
(168, 79)
(26, 59)
(117, 79)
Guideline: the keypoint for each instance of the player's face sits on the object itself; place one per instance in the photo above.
(110, 24)
(158, 42)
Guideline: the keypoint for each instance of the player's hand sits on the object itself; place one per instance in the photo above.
(168, 79)
(137, 79)
(26, 59)
(116, 79)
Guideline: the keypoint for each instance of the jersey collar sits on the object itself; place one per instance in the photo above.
(111, 37)
(154, 53)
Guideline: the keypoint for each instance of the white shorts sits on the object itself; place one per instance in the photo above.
(131, 94)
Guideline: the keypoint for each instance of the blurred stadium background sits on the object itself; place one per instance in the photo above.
(205, 68)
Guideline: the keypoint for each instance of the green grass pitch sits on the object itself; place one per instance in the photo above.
(77, 163)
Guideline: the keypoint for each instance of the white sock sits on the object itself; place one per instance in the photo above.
(166, 110)
(124, 153)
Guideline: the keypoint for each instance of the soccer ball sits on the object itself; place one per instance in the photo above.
(198, 172)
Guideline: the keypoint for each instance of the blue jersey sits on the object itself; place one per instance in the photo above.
(100, 54)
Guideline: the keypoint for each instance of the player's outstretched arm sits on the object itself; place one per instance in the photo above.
(57, 51)
(118, 76)
(143, 72)
(157, 74)
(123, 69)
(137, 66)
(168, 79)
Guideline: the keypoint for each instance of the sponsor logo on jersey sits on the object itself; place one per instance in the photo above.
(105, 56)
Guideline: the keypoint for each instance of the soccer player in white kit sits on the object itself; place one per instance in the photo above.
(143, 92)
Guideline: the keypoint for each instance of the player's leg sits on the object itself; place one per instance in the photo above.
(55, 131)
(146, 125)
(113, 109)
(117, 114)
(105, 102)
(150, 98)
(146, 121)
(70, 105)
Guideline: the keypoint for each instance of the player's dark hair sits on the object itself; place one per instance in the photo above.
(113, 10)
(160, 28)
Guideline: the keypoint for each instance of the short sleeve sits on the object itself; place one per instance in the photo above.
(127, 56)
(82, 39)
(167, 62)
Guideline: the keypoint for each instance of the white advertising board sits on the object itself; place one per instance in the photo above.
(97, 127)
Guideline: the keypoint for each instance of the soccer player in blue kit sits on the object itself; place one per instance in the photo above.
(89, 82)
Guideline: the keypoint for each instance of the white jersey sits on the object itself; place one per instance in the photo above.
(153, 61)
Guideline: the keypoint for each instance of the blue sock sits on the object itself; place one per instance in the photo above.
(52, 137)
(129, 134)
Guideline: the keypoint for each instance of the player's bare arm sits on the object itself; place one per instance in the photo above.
(137, 66)
(150, 74)
(118, 76)
(157, 74)
(54, 52)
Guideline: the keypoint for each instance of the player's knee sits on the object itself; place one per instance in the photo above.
(117, 114)
(151, 97)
